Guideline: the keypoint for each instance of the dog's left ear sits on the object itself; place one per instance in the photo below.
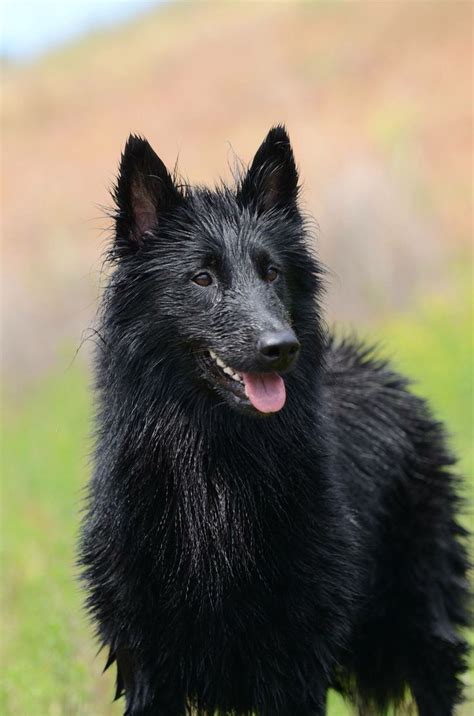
(272, 180)
(144, 193)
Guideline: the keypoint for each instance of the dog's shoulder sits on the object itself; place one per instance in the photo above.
(355, 368)
(372, 406)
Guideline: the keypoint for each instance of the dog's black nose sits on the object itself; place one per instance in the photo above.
(278, 349)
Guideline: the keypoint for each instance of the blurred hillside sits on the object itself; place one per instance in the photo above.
(375, 98)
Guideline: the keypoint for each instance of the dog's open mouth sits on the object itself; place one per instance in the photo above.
(264, 391)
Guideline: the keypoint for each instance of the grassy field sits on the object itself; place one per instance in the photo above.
(49, 663)
(376, 97)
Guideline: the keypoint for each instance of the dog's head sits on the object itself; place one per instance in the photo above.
(222, 281)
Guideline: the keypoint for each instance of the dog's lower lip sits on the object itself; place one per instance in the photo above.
(264, 392)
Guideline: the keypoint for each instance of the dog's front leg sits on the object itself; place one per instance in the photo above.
(299, 698)
(146, 694)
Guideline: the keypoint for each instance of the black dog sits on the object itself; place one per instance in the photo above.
(272, 513)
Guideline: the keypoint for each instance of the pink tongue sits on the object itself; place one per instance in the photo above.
(266, 391)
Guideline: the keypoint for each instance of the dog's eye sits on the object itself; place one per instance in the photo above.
(203, 279)
(271, 274)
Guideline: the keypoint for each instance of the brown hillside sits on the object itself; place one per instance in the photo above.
(377, 100)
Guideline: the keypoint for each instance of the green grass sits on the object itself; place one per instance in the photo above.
(49, 665)
(46, 641)
(435, 349)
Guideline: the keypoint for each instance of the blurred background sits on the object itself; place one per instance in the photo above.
(377, 98)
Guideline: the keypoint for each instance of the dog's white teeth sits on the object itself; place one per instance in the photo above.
(225, 368)
(219, 362)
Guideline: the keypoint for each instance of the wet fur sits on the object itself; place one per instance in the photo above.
(240, 564)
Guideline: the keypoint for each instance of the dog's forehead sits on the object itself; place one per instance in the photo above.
(226, 227)
(237, 240)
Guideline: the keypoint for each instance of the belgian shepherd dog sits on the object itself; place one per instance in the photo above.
(272, 512)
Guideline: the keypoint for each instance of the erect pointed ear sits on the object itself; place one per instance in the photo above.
(272, 180)
(143, 193)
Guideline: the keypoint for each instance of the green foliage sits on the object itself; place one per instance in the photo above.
(49, 659)
(48, 645)
(434, 347)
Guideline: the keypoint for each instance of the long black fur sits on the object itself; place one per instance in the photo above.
(243, 564)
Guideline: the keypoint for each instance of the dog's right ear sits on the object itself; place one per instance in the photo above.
(144, 192)
(272, 179)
